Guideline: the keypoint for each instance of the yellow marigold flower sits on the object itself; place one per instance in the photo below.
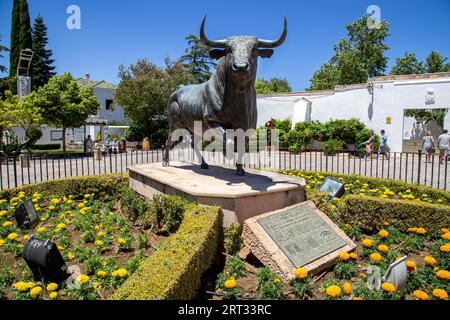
(13, 236)
(121, 241)
(80, 205)
(376, 256)
(3, 213)
(277, 280)
(308, 187)
(115, 273)
(99, 242)
(419, 294)
(52, 287)
(6, 224)
(230, 283)
(344, 256)
(388, 287)
(430, 260)
(69, 201)
(100, 234)
(445, 247)
(411, 265)
(386, 223)
(445, 230)
(122, 273)
(413, 230)
(2, 201)
(443, 274)
(383, 248)
(71, 255)
(446, 236)
(383, 233)
(421, 231)
(26, 237)
(21, 286)
(41, 229)
(61, 226)
(60, 248)
(82, 278)
(301, 273)
(354, 256)
(101, 274)
(2, 242)
(440, 294)
(36, 291)
(87, 196)
(347, 288)
(53, 295)
(51, 208)
(55, 201)
(333, 291)
(367, 243)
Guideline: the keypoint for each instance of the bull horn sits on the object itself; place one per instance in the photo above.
(206, 41)
(274, 43)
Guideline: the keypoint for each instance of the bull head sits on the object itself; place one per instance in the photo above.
(241, 52)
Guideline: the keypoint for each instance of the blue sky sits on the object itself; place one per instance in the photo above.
(120, 32)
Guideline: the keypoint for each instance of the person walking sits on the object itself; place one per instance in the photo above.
(428, 145)
(88, 144)
(370, 144)
(383, 145)
(444, 145)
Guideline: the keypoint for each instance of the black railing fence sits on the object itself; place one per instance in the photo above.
(408, 167)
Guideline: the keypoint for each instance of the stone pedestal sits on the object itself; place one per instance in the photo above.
(241, 197)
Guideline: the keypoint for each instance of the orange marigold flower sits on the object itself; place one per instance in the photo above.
(367, 243)
(388, 287)
(230, 283)
(443, 274)
(421, 231)
(358, 298)
(430, 260)
(347, 288)
(445, 247)
(383, 248)
(353, 256)
(344, 256)
(376, 256)
(419, 294)
(383, 233)
(301, 273)
(333, 291)
(446, 236)
(445, 230)
(411, 265)
(413, 230)
(440, 294)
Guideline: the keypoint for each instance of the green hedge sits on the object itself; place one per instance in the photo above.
(394, 185)
(175, 270)
(49, 146)
(369, 213)
(101, 185)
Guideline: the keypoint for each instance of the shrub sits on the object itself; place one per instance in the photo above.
(49, 146)
(270, 287)
(134, 204)
(232, 242)
(175, 270)
(107, 185)
(370, 212)
(332, 145)
(237, 267)
(168, 211)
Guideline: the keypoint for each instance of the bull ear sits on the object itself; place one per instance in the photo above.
(216, 53)
(265, 53)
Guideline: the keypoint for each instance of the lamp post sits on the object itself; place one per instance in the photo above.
(23, 73)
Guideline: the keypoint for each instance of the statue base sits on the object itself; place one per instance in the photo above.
(241, 197)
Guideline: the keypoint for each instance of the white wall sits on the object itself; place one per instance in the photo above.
(116, 115)
(390, 99)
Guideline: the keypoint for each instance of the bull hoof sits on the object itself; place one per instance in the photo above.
(204, 165)
(240, 172)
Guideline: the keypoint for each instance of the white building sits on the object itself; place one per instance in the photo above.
(109, 120)
(380, 104)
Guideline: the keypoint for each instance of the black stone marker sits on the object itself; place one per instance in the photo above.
(25, 214)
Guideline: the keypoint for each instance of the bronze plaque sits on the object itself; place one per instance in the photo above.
(301, 234)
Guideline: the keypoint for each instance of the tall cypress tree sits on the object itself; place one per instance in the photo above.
(15, 38)
(42, 62)
(26, 41)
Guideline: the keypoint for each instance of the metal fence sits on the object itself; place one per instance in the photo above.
(408, 167)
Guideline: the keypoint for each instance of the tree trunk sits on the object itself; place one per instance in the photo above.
(64, 139)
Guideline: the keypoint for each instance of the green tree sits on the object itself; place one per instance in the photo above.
(144, 91)
(274, 85)
(64, 104)
(20, 36)
(408, 64)
(355, 57)
(2, 48)
(197, 59)
(436, 62)
(42, 61)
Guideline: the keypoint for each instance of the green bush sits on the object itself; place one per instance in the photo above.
(49, 146)
(107, 185)
(232, 242)
(168, 211)
(174, 271)
(134, 204)
(332, 145)
(369, 213)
